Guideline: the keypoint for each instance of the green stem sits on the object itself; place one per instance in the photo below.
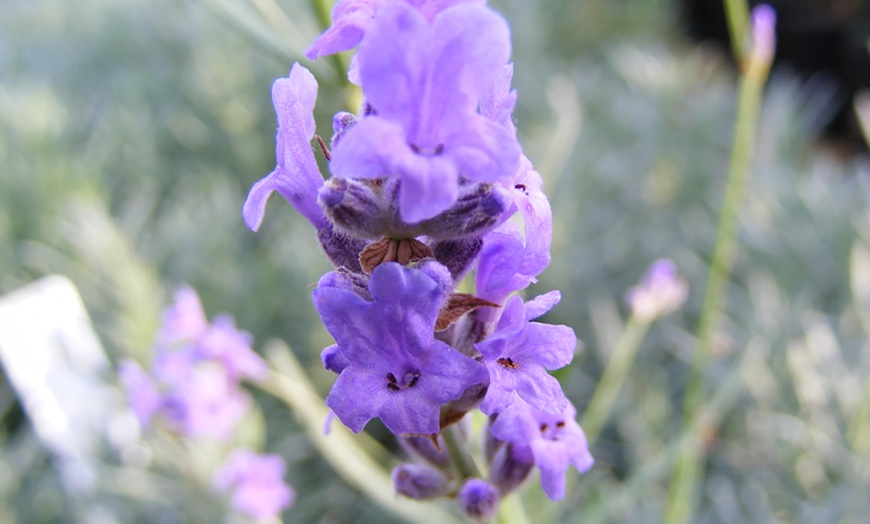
(459, 453)
(737, 15)
(613, 378)
(689, 468)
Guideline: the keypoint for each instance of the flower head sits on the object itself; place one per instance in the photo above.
(392, 366)
(555, 440)
(519, 352)
(425, 81)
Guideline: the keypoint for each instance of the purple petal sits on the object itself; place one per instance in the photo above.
(541, 390)
(551, 346)
(497, 104)
(141, 391)
(350, 20)
(296, 176)
(542, 304)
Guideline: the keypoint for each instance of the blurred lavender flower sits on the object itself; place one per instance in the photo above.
(194, 384)
(556, 442)
(256, 482)
(425, 82)
(661, 292)
(352, 18)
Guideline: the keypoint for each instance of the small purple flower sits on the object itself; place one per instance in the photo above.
(232, 348)
(184, 321)
(425, 82)
(556, 442)
(209, 403)
(256, 482)
(296, 176)
(510, 260)
(393, 367)
(478, 499)
(661, 292)
(519, 352)
(352, 18)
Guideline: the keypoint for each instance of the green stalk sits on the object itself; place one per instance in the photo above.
(613, 378)
(689, 467)
(459, 454)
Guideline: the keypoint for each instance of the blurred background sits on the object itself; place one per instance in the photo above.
(131, 132)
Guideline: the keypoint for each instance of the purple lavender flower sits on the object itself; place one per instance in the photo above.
(352, 18)
(256, 482)
(194, 381)
(556, 442)
(296, 176)
(425, 82)
(209, 403)
(395, 369)
(478, 499)
(519, 352)
(184, 321)
(661, 292)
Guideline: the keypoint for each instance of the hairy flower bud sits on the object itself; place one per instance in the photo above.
(511, 465)
(478, 499)
(419, 482)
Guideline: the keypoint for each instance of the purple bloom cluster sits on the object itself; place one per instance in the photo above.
(194, 388)
(194, 384)
(425, 180)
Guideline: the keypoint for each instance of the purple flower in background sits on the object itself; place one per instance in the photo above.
(208, 403)
(556, 441)
(519, 352)
(141, 391)
(352, 18)
(184, 321)
(194, 381)
(393, 367)
(256, 482)
(661, 292)
(296, 176)
(425, 82)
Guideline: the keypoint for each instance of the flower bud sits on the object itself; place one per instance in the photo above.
(478, 499)
(419, 482)
(510, 467)
(425, 448)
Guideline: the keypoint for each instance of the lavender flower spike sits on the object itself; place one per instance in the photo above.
(393, 367)
(661, 292)
(296, 176)
(425, 82)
